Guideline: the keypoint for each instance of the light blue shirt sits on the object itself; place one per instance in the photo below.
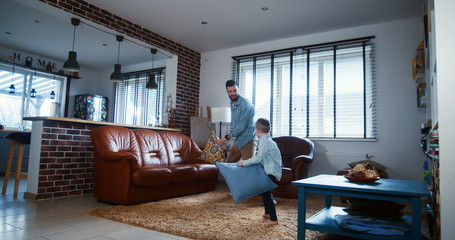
(242, 115)
(268, 155)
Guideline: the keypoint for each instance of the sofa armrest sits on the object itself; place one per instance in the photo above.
(300, 166)
(113, 176)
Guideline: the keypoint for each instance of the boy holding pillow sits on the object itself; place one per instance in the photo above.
(269, 156)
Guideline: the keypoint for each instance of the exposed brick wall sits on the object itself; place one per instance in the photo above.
(66, 164)
(189, 61)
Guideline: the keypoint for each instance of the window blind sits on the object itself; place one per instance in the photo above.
(134, 103)
(320, 91)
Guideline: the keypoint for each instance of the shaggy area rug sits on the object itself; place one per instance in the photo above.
(214, 216)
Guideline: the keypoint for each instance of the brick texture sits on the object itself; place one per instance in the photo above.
(189, 61)
(66, 162)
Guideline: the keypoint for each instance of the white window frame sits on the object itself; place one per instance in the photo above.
(15, 106)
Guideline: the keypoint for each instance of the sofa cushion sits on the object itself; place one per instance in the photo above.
(183, 173)
(180, 148)
(152, 148)
(152, 176)
(245, 182)
(206, 171)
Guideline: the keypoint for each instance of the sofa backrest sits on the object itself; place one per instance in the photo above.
(292, 147)
(114, 139)
(180, 148)
(151, 147)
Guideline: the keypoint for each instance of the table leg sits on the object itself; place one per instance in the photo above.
(301, 214)
(328, 201)
(416, 218)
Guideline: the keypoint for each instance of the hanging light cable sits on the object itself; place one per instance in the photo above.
(117, 75)
(71, 65)
(151, 83)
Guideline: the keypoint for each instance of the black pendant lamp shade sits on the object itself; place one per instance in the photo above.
(151, 83)
(33, 93)
(12, 89)
(71, 65)
(117, 75)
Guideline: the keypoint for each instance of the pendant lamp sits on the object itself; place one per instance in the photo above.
(71, 65)
(33, 93)
(117, 75)
(151, 83)
(53, 88)
(11, 88)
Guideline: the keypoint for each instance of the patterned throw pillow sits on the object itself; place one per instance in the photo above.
(213, 151)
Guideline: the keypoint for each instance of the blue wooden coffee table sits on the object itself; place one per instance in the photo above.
(383, 189)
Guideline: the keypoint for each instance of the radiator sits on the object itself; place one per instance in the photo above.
(331, 162)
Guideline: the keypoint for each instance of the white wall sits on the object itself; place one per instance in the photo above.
(399, 119)
(445, 50)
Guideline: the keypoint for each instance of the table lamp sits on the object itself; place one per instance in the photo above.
(221, 115)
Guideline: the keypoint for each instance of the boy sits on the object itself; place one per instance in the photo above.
(269, 157)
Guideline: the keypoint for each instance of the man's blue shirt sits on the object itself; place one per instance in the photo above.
(242, 114)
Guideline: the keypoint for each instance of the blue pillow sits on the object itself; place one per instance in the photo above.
(245, 182)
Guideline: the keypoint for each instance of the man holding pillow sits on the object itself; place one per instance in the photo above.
(242, 132)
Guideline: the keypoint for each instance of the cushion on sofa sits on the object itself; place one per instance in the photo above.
(245, 182)
(206, 171)
(151, 176)
(183, 173)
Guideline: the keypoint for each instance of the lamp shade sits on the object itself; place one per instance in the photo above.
(117, 75)
(151, 83)
(71, 65)
(221, 114)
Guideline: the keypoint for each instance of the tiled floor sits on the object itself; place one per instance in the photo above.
(62, 219)
(65, 219)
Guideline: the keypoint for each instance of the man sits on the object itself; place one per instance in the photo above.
(243, 130)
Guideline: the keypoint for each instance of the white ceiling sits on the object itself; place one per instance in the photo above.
(230, 23)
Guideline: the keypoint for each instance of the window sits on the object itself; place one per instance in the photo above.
(20, 103)
(318, 91)
(136, 105)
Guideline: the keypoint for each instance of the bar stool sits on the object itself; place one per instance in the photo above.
(21, 139)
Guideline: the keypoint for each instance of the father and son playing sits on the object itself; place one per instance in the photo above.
(242, 151)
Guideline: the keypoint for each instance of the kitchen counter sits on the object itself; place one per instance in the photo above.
(76, 120)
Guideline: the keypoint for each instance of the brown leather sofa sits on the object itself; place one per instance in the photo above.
(136, 166)
(297, 154)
